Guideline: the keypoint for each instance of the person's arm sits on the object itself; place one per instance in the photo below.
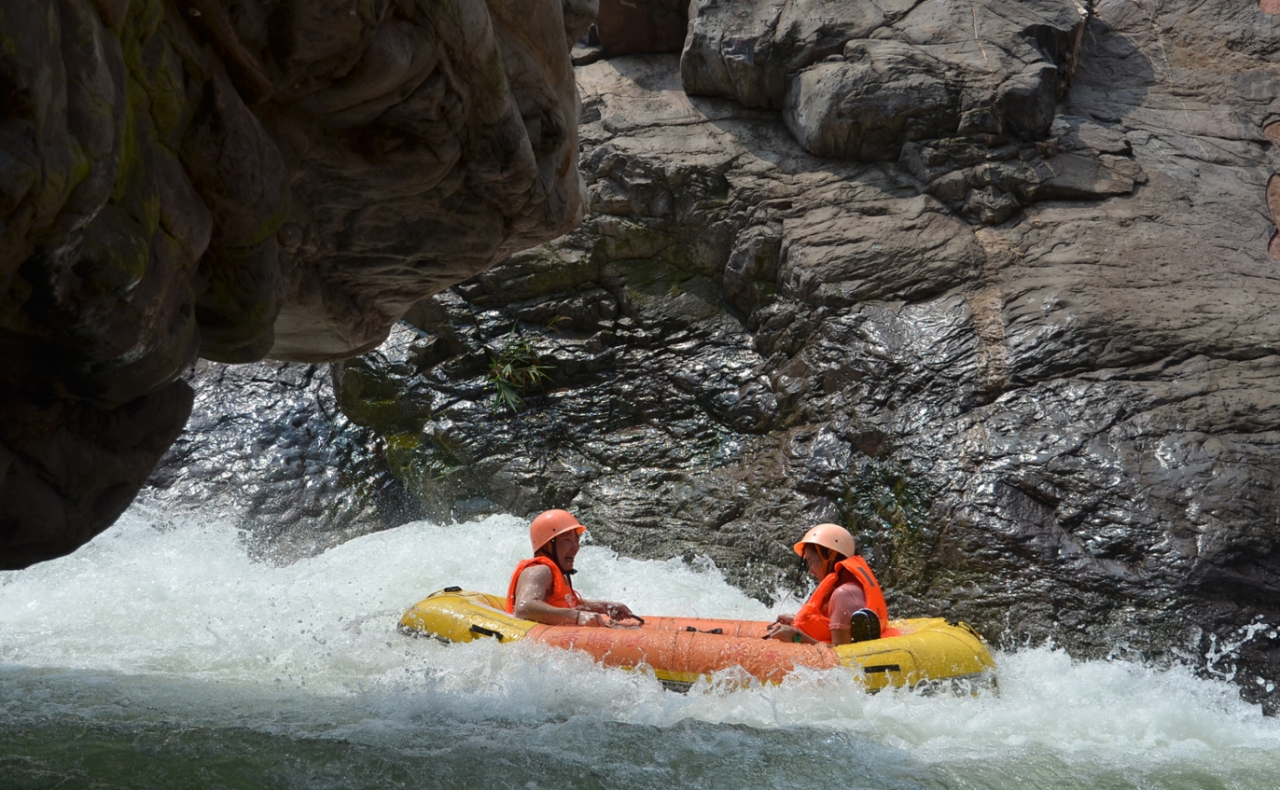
(847, 599)
(785, 632)
(531, 602)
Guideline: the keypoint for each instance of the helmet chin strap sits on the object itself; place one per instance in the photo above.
(828, 560)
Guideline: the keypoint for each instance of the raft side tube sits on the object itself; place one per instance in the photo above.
(688, 655)
(750, 629)
(881, 666)
(944, 655)
(462, 617)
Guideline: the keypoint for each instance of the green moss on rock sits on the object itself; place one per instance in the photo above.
(889, 510)
(369, 398)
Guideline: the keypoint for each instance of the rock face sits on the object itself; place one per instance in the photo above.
(1034, 368)
(955, 91)
(268, 448)
(240, 180)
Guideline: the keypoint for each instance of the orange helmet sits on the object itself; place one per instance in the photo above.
(545, 527)
(831, 536)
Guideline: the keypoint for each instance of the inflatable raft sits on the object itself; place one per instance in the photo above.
(930, 654)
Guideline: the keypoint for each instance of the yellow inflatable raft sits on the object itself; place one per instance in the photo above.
(926, 653)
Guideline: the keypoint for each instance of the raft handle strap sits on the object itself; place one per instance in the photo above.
(452, 589)
(882, 668)
(479, 629)
(696, 631)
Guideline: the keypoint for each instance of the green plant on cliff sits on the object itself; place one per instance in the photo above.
(513, 369)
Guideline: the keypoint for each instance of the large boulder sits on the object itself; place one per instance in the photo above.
(855, 79)
(957, 89)
(241, 180)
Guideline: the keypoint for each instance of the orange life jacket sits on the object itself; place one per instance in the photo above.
(814, 618)
(562, 595)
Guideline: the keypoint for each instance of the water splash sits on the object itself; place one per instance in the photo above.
(1221, 654)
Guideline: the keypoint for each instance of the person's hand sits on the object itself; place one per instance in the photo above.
(592, 620)
(783, 632)
(785, 619)
(619, 611)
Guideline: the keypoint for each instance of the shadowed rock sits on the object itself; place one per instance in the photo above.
(240, 180)
(625, 27)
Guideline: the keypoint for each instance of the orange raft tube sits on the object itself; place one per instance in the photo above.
(926, 653)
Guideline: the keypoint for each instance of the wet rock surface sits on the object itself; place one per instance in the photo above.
(1055, 418)
(242, 180)
(268, 448)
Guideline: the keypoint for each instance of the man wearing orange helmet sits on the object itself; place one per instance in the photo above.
(848, 605)
(540, 588)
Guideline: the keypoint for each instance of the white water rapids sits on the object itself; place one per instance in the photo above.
(161, 655)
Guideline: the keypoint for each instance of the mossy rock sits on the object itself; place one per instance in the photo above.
(890, 511)
(372, 400)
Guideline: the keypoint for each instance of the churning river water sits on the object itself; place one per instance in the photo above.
(161, 656)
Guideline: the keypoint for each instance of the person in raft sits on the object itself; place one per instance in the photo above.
(848, 605)
(540, 589)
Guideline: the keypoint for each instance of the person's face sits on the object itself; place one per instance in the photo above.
(814, 561)
(567, 548)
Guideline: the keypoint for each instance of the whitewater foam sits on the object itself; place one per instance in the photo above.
(168, 616)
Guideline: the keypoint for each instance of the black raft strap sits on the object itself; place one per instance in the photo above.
(479, 629)
(878, 668)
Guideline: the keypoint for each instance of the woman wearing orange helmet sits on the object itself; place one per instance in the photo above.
(540, 588)
(848, 605)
